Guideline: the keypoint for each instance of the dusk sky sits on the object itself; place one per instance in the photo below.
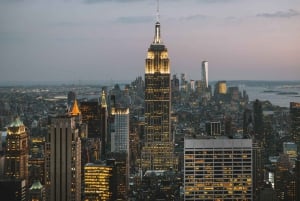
(71, 40)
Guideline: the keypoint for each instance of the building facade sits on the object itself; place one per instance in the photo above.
(120, 130)
(97, 181)
(63, 149)
(158, 150)
(205, 73)
(217, 169)
(16, 157)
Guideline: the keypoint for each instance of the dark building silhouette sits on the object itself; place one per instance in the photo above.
(295, 122)
(258, 124)
(94, 114)
(13, 190)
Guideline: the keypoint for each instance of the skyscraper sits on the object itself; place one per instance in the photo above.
(64, 157)
(158, 148)
(16, 157)
(97, 178)
(217, 168)
(14, 185)
(120, 130)
(295, 122)
(205, 73)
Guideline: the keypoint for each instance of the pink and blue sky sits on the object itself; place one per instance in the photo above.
(69, 40)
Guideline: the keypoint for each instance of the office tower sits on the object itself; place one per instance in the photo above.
(205, 73)
(97, 182)
(220, 91)
(13, 190)
(258, 124)
(183, 82)
(16, 157)
(94, 114)
(118, 158)
(295, 122)
(213, 128)
(283, 177)
(248, 121)
(297, 176)
(175, 94)
(120, 180)
(120, 130)
(158, 148)
(290, 148)
(258, 170)
(103, 123)
(217, 168)
(64, 157)
(36, 162)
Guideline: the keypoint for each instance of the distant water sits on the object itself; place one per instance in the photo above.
(279, 93)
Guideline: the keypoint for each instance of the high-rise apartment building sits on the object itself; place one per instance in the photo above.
(158, 149)
(63, 149)
(217, 168)
(16, 157)
(295, 122)
(205, 73)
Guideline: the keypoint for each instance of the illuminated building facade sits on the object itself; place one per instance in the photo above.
(63, 177)
(16, 157)
(158, 149)
(205, 73)
(220, 88)
(97, 179)
(217, 169)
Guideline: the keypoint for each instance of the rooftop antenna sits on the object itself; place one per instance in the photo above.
(157, 11)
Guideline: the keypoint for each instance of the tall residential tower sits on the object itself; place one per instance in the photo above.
(205, 73)
(158, 151)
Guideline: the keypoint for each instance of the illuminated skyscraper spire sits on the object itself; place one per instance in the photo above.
(103, 100)
(157, 26)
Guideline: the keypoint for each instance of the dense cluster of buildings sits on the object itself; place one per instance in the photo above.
(160, 138)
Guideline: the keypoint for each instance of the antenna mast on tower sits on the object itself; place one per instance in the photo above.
(157, 11)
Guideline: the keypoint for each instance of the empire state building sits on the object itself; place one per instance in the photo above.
(158, 150)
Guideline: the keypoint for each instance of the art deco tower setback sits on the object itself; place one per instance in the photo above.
(157, 152)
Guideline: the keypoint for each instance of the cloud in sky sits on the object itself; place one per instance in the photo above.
(94, 39)
(102, 1)
(280, 14)
(134, 19)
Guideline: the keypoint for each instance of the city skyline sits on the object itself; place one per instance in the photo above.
(105, 40)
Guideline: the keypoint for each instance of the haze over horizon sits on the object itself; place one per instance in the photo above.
(70, 40)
